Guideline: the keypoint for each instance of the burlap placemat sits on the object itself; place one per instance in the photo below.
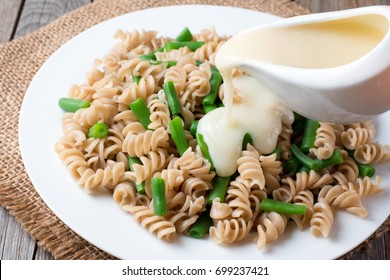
(19, 61)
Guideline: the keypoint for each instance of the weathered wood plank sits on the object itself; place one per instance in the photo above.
(317, 6)
(16, 244)
(37, 13)
(8, 17)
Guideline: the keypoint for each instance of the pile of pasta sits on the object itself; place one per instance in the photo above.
(102, 163)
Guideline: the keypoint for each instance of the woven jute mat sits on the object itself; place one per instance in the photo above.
(19, 61)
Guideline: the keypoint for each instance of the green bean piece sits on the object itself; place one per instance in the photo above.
(215, 83)
(98, 130)
(72, 105)
(204, 149)
(174, 45)
(139, 187)
(316, 164)
(271, 205)
(194, 127)
(277, 151)
(304, 169)
(173, 101)
(201, 227)
(150, 56)
(158, 195)
(292, 165)
(198, 62)
(171, 63)
(309, 135)
(299, 123)
(178, 135)
(141, 111)
(220, 104)
(298, 117)
(209, 108)
(336, 158)
(155, 62)
(184, 36)
(219, 189)
(136, 79)
(364, 169)
(246, 140)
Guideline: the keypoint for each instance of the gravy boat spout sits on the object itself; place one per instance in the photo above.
(332, 67)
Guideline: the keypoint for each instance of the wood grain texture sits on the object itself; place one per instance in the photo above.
(16, 244)
(37, 13)
(21, 17)
(9, 11)
(317, 6)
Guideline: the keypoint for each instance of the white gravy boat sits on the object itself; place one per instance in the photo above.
(332, 67)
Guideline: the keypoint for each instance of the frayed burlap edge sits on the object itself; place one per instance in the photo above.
(20, 60)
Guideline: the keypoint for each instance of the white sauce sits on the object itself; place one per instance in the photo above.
(260, 115)
(314, 45)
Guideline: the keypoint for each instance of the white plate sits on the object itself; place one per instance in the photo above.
(97, 218)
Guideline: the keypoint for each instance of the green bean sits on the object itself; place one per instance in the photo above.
(364, 169)
(271, 205)
(173, 101)
(219, 189)
(72, 105)
(139, 187)
(171, 63)
(309, 135)
(136, 79)
(316, 164)
(203, 147)
(277, 151)
(201, 227)
(209, 108)
(247, 140)
(141, 111)
(158, 195)
(98, 130)
(184, 36)
(150, 56)
(178, 135)
(215, 83)
(291, 166)
(198, 62)
(173, 45)
(194, 127)
(304, 169)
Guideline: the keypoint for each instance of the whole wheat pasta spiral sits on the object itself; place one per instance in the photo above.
(108, 177)
(143, 143)
(354, 137)
(365, 187)
(249, 167)
(229, 231)
(124, 194)
(322, 219)
(372, 153)
(270, 228)
(340, 196)
(238, 199)
(157, 225)
(133, 91)
(154, 161)
(325, 142)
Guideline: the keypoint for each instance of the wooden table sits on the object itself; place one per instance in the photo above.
(20, 17)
